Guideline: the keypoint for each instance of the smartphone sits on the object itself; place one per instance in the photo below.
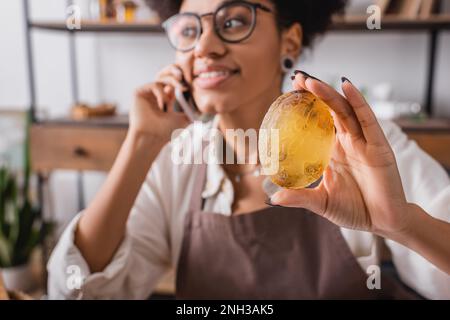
(185, 103)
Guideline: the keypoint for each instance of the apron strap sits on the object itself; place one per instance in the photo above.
(199, 183)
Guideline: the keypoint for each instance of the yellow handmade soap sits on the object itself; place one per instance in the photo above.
(302, 125)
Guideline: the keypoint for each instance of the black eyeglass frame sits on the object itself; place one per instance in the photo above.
(253, 6)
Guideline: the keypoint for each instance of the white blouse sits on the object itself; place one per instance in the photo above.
(154, 234)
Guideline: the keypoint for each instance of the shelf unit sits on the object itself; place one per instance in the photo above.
(393, 23)
(95, 26)
(116, 127)
(433, 25)
(349, 23)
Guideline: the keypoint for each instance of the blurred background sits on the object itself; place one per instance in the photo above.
(76, 64)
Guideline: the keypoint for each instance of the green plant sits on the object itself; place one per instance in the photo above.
(22, 228)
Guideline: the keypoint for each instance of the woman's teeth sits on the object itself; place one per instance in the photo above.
(213, 74)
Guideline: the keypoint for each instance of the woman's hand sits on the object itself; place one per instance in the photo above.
(102, 226)
(152, 113)
(361, 189)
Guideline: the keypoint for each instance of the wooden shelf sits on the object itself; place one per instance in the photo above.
(393, 23)
(355, 23)
(95, 26)
(120, 121)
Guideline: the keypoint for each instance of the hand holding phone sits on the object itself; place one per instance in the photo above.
(184, 104)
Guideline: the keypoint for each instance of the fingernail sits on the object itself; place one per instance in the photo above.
(344, 79)
(293, 78)
(269, 203)
(306, 75)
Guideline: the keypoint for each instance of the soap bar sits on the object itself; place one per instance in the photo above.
(297, 137)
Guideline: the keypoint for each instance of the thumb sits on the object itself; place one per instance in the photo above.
(314, 200)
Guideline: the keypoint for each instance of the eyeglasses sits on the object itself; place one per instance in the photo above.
(233, 22)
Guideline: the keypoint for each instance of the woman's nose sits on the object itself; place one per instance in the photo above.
(209, 43)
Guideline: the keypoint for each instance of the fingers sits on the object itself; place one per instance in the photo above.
(368, 122)
(299, 81)
(172, 76)
(172, 70)
(156, 91)
(347, 120)
(169, 91)
(163, 90)
(174, 83)
(314, 200)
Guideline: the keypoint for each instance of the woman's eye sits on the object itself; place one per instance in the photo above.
(233, 23)
(189, 32)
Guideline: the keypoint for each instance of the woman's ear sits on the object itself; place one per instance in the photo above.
(291, 41)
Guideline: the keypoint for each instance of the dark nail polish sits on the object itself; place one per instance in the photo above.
(306, 75)
(315, 78)
(293, 78)
(344, 79)
(269, 203)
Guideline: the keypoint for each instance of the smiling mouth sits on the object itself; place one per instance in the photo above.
(213, 79)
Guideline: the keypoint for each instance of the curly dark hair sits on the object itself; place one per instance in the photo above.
(313, 15)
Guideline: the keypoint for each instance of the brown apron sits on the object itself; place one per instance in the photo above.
(273, 253)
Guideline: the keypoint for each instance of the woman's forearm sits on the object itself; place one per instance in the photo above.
(102, 226)
(428, 236)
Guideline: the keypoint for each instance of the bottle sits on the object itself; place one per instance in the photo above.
(107, 10)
